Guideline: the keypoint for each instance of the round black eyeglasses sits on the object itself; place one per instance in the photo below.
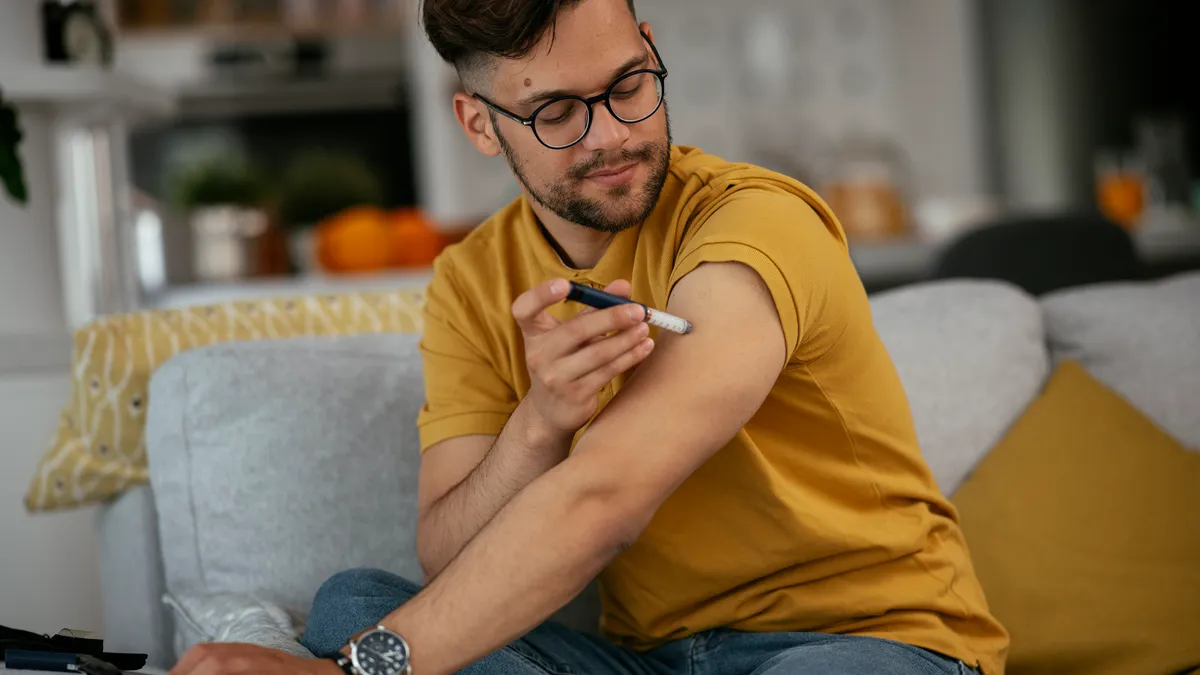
(564, 121)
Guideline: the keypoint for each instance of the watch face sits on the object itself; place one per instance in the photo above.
(381, 653)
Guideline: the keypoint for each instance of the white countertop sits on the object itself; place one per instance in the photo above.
(82, 90)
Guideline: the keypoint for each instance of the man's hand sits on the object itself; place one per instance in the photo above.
(245, 659)
(569, 362)
(466, 480)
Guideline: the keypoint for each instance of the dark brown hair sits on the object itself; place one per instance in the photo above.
(466, 33)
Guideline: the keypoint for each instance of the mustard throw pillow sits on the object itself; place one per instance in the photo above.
(97, 451)
(1084, 526)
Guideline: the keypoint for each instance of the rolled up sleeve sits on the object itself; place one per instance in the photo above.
(798, 253)
(464, 391)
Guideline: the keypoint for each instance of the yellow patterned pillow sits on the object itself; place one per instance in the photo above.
(98, 449)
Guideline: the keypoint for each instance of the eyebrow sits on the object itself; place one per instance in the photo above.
(540, 96)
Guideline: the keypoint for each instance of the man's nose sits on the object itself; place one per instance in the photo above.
(607, 132)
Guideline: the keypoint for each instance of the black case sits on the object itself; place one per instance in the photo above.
(12, 638)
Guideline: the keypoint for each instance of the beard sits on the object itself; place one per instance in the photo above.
(563, 197)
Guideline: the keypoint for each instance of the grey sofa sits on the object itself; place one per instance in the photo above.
(275, 464)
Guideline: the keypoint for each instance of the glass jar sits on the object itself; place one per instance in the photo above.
(867, 183)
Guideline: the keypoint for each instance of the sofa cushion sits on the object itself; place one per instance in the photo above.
(971, 355)
(97, 451)
(1084, 527)
(276, 464)
(1140, 339)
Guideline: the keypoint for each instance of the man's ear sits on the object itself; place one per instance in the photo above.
(645, 28)
(476, 124)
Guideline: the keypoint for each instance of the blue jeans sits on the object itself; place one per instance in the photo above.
(352, 601)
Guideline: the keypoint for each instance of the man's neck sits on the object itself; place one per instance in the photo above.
(579, 247)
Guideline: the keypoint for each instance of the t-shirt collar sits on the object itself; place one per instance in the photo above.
(616, 263)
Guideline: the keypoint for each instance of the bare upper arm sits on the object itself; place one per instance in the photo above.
(694, 393)
(446, 464)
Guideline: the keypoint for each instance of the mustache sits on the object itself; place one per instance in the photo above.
(643, 153)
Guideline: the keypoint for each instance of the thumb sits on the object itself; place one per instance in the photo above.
(619, 287)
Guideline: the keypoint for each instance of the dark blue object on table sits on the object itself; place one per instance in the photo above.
(26, 659)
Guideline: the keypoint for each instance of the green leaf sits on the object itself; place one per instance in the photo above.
(218, 180)
(321, 183)
(12, 174)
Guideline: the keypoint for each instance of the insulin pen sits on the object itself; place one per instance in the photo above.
(601, 300)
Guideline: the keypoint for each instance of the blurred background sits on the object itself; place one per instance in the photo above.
(276, 146)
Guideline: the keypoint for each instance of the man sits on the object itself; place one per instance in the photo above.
(751, 495)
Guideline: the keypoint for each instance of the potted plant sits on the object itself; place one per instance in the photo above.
(223, 197)
(12, 174)
(316, 186)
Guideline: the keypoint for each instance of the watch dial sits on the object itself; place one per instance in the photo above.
(381, 653)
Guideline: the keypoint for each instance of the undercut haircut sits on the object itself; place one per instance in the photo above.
(469, 34)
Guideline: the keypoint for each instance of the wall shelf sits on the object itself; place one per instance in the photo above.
(82, 90)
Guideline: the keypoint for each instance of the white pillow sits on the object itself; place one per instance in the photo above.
(971, 355)
(232, 617)
(1140, 338)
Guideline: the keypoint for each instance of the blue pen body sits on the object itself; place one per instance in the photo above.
(602, 300)
(593, 297)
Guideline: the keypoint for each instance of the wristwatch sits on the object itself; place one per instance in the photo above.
(378, 651)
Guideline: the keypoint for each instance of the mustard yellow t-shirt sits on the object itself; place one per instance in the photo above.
(820, 515)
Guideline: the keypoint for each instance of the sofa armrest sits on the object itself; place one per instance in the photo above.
(131, 578)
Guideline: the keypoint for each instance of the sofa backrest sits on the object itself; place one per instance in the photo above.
(971, 355)
(276, 464)
(1140, 339)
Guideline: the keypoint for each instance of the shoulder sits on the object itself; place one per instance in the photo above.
(781, 223)
(747, 198)
(482, 254)
(779, 229)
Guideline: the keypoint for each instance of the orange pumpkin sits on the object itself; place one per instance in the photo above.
(414, 240)
(355, 240)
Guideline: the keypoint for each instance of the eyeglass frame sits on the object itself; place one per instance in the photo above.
(660, 73)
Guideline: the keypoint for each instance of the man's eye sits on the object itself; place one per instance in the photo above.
(627, 92)
(557, 113)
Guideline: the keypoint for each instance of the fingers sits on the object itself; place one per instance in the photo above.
(582, 329)
(211, 657)
(596, 379)
(619, 287)
(190, 660)
(529, 309)
(601, 352)
(236, 659)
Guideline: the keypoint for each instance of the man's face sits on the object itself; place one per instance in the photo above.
(610, 180)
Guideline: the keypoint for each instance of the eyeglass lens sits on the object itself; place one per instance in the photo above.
(633, 98)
